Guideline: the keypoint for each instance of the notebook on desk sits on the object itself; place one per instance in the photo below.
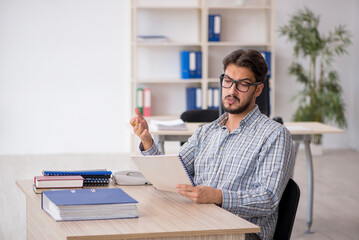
(164, 171)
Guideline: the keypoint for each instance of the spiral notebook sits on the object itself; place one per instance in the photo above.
(164, 171)
(98, 177)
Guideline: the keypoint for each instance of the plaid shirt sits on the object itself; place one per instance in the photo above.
(251, 165)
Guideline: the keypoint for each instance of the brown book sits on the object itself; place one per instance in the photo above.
(58, 181)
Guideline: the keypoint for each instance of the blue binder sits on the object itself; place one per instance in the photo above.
(191, 98)
(214, 27)
(198, 73)
(267, 56)
(191, 64)
(194, 98)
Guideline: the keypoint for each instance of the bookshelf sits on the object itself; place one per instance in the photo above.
(156, 65)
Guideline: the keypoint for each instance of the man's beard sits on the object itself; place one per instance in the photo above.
(239, 109)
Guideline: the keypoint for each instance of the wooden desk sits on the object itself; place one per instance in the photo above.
(300, 131)
(162, 215)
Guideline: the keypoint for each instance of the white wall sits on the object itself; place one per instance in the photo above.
(65, 69)
(332, 13)
(64, 76)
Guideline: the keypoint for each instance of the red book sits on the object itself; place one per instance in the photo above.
(147, 102)
(58, 181)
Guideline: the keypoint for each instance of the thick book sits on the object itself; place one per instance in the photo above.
(164, 171)
(168, 125)
(58, 181)
(88, 204)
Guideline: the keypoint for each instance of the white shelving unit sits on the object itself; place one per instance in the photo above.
(185, 22)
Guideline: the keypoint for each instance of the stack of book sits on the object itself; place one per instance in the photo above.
(151, 38)
(168, 125)
(91, 177)
(71, 179)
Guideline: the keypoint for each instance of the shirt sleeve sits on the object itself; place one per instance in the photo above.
(275, 166)
(153, 150)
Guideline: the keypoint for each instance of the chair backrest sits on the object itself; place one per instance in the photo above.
(200, 115)
(288, 205)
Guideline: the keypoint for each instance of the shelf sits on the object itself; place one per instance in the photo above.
(169, 7)
(168, 81)
(157, 65)
(166, 44)
(213, 80)
(234, 7)
(239, 44)
(162, 117)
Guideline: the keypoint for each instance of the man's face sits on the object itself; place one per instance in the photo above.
(235, 101)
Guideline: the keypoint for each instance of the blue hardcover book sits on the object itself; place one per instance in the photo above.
(267, 57)
(189, 64)
(88, 204)
(214, 27)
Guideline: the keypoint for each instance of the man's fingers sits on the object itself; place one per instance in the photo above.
(133, 121)
(138, 113)
(184, 186)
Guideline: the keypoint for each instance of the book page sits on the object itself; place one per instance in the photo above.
(163, 171)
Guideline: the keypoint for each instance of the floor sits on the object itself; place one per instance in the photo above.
(336, 198)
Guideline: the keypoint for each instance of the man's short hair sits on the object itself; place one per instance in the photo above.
(251, 59)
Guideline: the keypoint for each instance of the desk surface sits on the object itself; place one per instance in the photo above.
(161, 215)
(295, 128)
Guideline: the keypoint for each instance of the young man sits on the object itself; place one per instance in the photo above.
(243, 160)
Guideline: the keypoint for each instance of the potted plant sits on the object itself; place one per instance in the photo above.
(321, 97)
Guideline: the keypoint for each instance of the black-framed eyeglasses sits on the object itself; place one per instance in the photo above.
(242, 85)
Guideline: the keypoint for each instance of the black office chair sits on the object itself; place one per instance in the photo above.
(287, 210)
(200, 115)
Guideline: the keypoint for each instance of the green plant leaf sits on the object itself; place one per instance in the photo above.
(321, 97)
